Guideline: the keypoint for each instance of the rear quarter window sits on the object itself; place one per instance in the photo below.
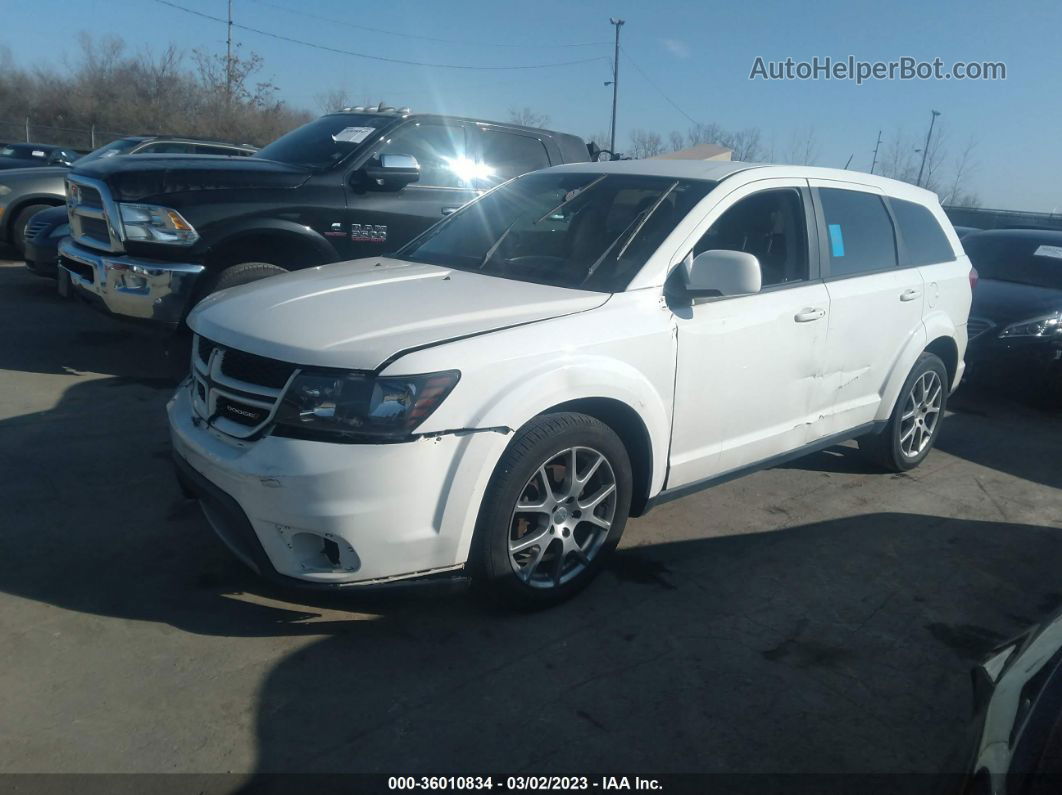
(859, 233)
(924, 242)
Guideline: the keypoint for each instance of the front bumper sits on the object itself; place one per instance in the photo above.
(329, 515)
(153, 290)
(1024, 361)
(42, 259)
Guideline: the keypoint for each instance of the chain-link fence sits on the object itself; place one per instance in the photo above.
(80, 138)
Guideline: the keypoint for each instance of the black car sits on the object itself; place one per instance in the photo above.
(1015, 327)
(41, 242)
(35, 155)
(149, 236)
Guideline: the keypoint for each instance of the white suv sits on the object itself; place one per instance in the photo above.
(570, 348)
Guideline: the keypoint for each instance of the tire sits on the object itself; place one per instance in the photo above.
(18, 231)
(244, 273)
(916, 418)
(573, 549)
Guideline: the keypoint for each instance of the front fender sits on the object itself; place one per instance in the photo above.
(246, 229)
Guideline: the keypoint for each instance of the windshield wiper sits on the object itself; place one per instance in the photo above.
(640, 219)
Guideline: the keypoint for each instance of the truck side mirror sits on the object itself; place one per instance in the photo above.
(392, 171)
(721, 272)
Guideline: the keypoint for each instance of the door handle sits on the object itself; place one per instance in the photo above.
(910, 295)
(449, 210)
(808, 314)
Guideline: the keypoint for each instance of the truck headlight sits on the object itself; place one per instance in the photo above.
(349, 406)
(154, 224)
(1046, 326)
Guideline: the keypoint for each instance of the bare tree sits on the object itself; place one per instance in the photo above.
(527, 117)
(803, 147)
(645, 144)
(676, 140)
(332, 100)
(957, 192)
(745, 145)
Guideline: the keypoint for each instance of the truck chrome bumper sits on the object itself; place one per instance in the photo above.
(152, 290)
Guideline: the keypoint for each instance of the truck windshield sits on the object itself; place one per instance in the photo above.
(324, 142)
(568, 229)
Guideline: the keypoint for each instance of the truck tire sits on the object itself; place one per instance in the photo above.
(244, 273)
(542, 534)
(18, 231)
(914, 426)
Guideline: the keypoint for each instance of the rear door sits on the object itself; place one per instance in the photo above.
(506, 153)
(875, 304)
(378, 222)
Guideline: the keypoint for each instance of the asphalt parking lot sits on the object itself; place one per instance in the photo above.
(818, 617)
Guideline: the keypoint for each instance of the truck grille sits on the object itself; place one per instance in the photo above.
(34, 227)
(235, 391)
(92, 214)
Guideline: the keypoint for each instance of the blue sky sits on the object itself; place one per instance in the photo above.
(697, 53)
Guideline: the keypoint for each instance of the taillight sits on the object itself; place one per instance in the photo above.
(973, 277)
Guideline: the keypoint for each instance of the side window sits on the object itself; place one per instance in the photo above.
(507, 155)
(204, 149)
(440, 150)
(771, 225)
(168, 148)
(924, 241)
(859, 233)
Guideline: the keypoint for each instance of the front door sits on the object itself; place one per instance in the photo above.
(747, 365)
(378, 222)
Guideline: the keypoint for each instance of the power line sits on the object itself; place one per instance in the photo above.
(339, 51)
(466, 43)
(652, 82)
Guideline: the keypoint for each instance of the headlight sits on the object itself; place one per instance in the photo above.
(156, 225)
(1046, 326)
(4, 190)
(352, 405)
(60, 231)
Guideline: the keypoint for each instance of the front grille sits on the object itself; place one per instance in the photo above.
(96, 228)
(976, 326)
(254, 369)
(237, 392)
(240, 412)
(90, 197)
(34, 227)
(86, 272)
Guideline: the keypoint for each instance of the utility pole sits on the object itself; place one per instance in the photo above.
(615, 84)
(228, 59)
(876, 153)
(925, 152)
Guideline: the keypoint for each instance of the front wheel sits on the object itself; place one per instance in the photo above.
(555, 508)
(913, 428)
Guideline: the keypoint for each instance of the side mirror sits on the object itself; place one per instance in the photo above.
(722, 272)
(392, 171)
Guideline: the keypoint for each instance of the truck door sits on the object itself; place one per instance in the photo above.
(378, 222)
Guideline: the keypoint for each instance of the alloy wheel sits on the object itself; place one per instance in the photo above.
(921, 412)
(562, 517)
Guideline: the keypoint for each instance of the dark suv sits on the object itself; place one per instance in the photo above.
(24, 192)
(150, 236)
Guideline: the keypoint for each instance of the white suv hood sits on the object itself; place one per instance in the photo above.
(357, 314)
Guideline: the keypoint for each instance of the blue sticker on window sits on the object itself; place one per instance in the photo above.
(836, 240)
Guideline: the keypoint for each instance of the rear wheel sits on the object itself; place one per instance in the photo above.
(555, 508)
(18, 231)
(915, 422)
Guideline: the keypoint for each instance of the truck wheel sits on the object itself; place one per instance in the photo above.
(915, 422)
(18, 231)
(244, 273)
(554, 510)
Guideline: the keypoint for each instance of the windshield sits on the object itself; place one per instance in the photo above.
(1023, 260)
(583, 230)
(323, 143)
(119, 147)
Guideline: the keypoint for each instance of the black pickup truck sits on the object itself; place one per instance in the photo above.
(150, 236)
